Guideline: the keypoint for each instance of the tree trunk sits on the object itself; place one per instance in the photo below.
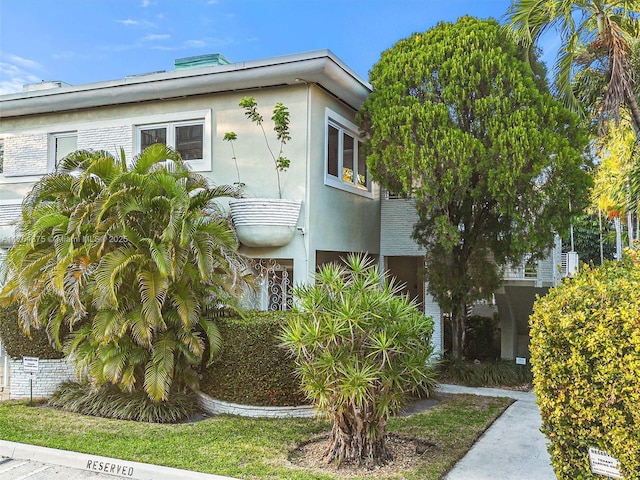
(632, 102)
(458, 317)
(358, 437)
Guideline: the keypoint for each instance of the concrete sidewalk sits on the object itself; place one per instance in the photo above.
(512, 448)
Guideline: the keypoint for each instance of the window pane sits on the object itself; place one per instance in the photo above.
(64, 146)
(347, 158)
(150, 136)
(362, 168)
(189, 141)
(332, 151)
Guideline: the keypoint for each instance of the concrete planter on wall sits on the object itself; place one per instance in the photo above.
(265, 222)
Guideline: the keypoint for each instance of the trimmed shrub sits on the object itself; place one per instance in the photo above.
(252, 368)
(484, 374)
(585, 352)
(17, 344)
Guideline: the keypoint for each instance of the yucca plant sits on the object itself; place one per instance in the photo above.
(361, 348)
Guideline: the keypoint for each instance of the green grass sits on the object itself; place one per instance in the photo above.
(240, 447)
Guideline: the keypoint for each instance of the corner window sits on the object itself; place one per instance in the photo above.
(61, 145)
(346, 166)
(185, 137)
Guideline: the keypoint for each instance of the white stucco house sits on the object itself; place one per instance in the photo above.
(191, 108)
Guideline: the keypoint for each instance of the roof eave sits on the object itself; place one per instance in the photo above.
(320, 67)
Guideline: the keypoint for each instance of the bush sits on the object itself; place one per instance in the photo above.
(585, 352)
(252, 368)
(17, 344)
(484, 374)
(109, 401)
(482, 338)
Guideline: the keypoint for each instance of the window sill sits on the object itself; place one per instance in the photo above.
(340, 185)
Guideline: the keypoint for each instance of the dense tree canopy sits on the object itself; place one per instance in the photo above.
(457, 120)
(126, 258)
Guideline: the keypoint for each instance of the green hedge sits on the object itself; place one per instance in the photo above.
(252, 368)
(585, 352)
(17, 344)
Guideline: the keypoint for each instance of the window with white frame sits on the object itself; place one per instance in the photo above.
(185, 137)
(61, 145)
(187, 132)
(346, 165)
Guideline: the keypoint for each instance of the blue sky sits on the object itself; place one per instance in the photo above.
(83, 41)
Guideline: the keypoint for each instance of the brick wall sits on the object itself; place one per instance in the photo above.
(26, 155)
(9, 213)
(51, 374)
(107, 138)
(398, 215)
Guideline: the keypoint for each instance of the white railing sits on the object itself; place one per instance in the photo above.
(520, 272)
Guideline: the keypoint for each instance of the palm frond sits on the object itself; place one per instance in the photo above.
(110, 272)
(152, 156)
(153, 290)
(213, 337)
(158, 375)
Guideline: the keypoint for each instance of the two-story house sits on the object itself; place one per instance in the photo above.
(337, 208)
(191, 108)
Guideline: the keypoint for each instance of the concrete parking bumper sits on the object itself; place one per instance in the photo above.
(98, 464)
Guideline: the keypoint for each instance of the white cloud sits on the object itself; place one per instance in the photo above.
(146, 3)
(151, 37)
(128, 21)
(22, 62)
(194, 44)
(17, 71)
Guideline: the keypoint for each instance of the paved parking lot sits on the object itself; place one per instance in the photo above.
(13, 469)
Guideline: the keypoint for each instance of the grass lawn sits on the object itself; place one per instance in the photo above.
(245, 448)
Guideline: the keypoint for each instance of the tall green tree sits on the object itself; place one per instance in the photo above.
(126, 259)
(597, 36)
(360, 349)
(457, 121)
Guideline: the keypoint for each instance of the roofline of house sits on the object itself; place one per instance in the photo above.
(321, 67)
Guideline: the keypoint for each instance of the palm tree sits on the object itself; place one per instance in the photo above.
(129, 260)
(596, 35)
(615, 190)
